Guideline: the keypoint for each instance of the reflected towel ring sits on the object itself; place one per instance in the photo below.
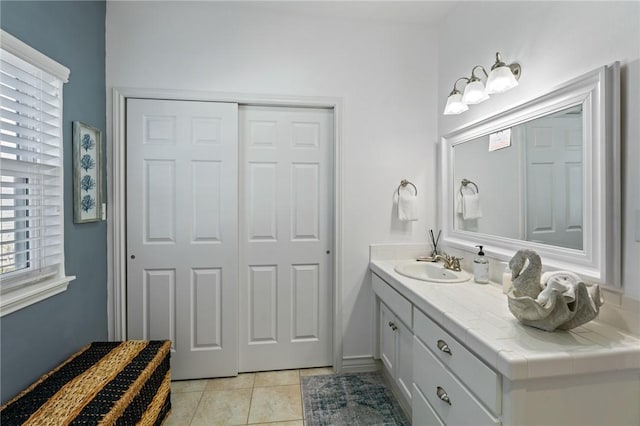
(404, 183)
(466, 182)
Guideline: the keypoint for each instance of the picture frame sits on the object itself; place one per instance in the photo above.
(87, 173)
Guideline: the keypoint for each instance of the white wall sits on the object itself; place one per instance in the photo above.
(554, 42)
(386, 75)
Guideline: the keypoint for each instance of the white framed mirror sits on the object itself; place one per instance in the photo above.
(544, 175)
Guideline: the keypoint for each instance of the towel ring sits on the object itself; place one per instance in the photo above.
(466, 182)
(404, 183)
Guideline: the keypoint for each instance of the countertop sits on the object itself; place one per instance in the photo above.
(478, 316)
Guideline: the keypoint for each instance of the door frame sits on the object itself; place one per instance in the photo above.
(116, 193)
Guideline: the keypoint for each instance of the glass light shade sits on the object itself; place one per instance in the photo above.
(455, 104)
(474, 93)
(500, 80)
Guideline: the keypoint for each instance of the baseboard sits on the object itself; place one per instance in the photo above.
(360, 364)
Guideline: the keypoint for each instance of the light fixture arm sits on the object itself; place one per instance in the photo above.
(473, 73)
(455, 89)
(498, 63)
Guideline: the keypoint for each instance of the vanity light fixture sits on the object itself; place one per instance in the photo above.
(454, 101)
(474, 91)
(501, 78)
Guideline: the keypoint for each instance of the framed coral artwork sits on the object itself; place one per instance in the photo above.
(87, 173)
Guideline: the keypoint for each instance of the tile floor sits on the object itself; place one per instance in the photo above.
(269, 398)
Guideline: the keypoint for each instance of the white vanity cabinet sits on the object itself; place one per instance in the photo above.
(395, 338)
(456, 356)
(407, 340)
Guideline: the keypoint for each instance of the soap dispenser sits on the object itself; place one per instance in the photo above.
(481, 268)
(506, 277)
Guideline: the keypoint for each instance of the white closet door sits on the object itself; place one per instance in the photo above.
(182, 169)
(286, 238)
(554, 181)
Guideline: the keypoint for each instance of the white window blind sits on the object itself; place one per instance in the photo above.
(31, 171)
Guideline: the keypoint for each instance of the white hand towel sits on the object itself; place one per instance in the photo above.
(407, 206)
(471, 206)
(563, 282)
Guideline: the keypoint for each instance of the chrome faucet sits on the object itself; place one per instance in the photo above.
(449, 262)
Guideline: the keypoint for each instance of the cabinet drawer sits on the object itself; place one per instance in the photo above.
(422, 413)
(483, 382)
(431, 377)
(400, 306)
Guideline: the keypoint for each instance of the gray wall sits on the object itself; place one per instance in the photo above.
(35, 339)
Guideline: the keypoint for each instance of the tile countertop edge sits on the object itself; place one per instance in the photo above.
(603, 353)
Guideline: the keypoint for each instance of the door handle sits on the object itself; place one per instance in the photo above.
(442, 345)
(393, 326)
(442, 394)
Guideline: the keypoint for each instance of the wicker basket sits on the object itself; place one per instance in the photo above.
(105, 383)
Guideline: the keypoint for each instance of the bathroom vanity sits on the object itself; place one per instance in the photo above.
(451, 348)
(455, 355)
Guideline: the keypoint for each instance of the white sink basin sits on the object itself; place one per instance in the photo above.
(430, 271)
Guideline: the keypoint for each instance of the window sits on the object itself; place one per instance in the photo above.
(31, 176)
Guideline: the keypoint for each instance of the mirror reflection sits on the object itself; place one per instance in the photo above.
(524, 182)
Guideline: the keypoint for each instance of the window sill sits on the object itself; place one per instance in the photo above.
(22, 297)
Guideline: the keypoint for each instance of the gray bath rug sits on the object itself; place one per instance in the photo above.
(350, 399)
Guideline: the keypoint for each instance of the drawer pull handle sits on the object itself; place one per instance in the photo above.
(442, 394)
(393, 326)
(442, 345)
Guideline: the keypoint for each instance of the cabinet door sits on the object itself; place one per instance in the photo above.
(404, 360)
(388, 339)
